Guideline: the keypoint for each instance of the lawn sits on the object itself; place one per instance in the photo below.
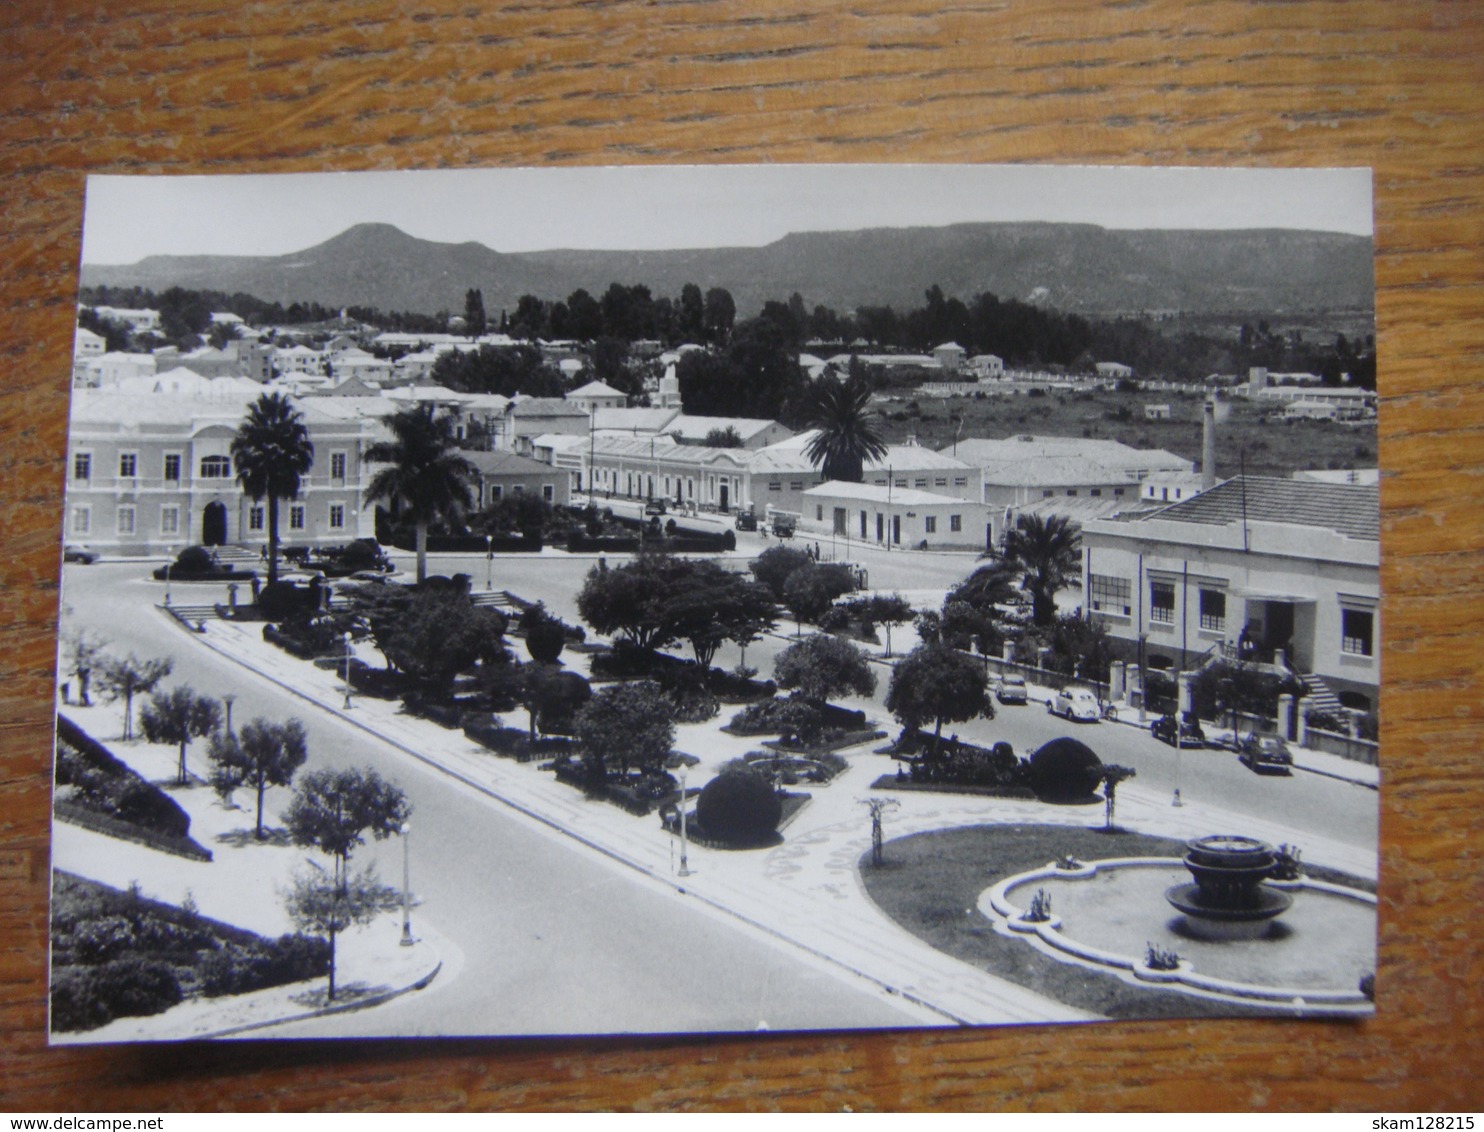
(930, 884)
(1272, 447)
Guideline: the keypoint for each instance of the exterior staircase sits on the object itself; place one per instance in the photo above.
(1322, 697)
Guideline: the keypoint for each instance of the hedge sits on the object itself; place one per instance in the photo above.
(118, 798)
(470, 544)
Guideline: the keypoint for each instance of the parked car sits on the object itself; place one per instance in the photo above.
(1178, 732)
(1265, 754)
(784, 525)
(1010, 690)
(73, 552)
(1075, 703)
(655, 507)
(747, 520)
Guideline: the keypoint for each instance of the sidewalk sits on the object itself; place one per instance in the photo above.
(240, 886)
(805, 892)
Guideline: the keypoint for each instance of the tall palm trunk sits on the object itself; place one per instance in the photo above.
(272, 538)
(422, 551)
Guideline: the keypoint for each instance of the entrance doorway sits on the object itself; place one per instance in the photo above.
(839, 520)
(214, 524)
(896, 529)
(722, 502)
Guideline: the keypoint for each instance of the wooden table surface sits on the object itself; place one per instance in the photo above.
(190, 86)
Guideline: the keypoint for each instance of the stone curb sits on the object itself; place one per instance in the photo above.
(418, 984)
(612, 854)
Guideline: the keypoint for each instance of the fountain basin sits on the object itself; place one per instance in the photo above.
(1228, 900)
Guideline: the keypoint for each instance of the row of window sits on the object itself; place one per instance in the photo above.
(929, 522)
(126, 518)
(212, 467)
(1113, 596)
(1095, 492)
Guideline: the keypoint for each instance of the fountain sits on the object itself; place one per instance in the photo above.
(1228, 899)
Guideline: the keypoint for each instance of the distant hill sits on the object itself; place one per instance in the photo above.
(1074, 267)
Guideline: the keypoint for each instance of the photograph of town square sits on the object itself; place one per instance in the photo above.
(680, 600)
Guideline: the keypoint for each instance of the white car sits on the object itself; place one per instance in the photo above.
(1075, 703)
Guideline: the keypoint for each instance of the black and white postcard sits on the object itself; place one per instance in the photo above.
(682, 600)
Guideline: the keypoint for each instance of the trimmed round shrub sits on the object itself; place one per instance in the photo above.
(1064, 771)
(194, 560)
(739, 807)
(362, 554)
(545, 640)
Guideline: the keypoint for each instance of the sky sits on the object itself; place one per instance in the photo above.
(666, 207)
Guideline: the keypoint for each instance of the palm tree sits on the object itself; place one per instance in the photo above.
(424, 475)
(1049, 549)
(840, 410)
(271, 453)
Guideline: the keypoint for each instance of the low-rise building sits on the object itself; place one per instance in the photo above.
(1273, 570)
(597, 395)
(894, 517)
(505, 474)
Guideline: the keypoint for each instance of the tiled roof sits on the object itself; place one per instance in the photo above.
(547, 407)
(1349, 509)
(1111, 453)
(503, 463)
(879, 493)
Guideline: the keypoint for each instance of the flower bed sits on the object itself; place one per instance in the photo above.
(512, 742)
(116, 954)
(831, 740)
(96, 790)
(639, 794)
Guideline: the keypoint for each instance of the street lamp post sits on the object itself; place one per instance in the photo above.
(684, 864)
(489, 559)
(347, 669)
(1144, 688)
(406, 832)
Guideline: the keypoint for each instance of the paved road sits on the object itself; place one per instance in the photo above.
(1309, 803)
(551, 938)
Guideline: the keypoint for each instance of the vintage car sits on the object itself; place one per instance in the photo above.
(1075, 703)
(747, 520)
(1178, 732)
(74, 552)
(1265, 754)
(1010, 690)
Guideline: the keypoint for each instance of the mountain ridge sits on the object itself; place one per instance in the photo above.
(1081, 268)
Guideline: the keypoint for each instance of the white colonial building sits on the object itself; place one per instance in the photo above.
(1253, 567)
(152, 473)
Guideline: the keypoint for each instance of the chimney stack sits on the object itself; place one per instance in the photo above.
(1208, 444)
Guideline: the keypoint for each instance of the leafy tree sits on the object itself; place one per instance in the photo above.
(83, 652)
(888, 610)
(629, 600)
(936, 683)
(334, 810)
(630, 724)
(711, 605)
(690, 325)
(506, 370)
(610, 357)
(847, 439)
(584, 316)
(261, 755)
(720, 313)
(272, 453)
(325, 904)
(1110, 775)
(774, 566)
(441, 635)
(475, 320)
(124, 677)
(823, 666)
(375, 610)
(727, 437)
(552, 698)
(424, 473)
(178, 716)
(1048, 548)
(811, 589)
(988, 586)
